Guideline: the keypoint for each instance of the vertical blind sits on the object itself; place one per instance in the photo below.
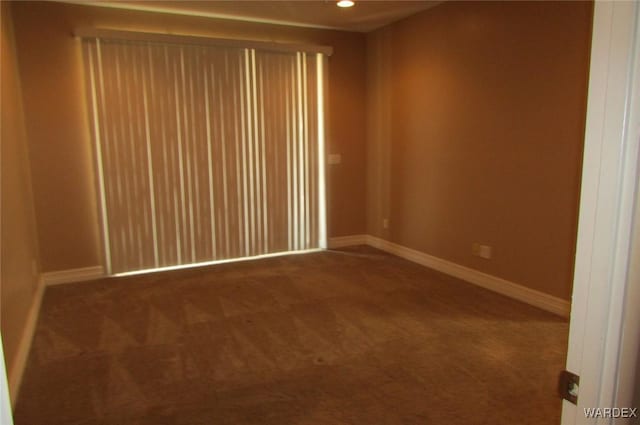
(205, 152)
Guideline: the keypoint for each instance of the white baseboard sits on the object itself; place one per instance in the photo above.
(342, 241)
(73, 275)
(24, 346)
(502, 286)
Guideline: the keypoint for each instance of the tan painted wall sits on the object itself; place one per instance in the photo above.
(476, 122)
(18, 243)
(64, 192)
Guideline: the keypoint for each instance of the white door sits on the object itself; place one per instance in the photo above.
(609, 187)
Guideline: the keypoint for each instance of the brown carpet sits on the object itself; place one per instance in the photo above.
(355, 337)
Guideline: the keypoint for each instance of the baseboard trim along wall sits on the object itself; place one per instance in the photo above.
(72, 275)
(341, 241)
(24, 347)
(502, 286)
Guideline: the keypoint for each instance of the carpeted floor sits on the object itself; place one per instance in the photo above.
(353, 337)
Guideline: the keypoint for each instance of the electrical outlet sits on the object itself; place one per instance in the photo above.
(385, 223)
(485, 252)
(482, 251)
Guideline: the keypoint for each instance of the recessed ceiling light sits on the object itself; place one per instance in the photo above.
(345, 3)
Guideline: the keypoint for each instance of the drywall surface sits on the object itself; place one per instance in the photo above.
(476, 114)
(19, 261)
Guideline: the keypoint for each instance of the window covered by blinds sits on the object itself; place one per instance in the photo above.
(204, 152)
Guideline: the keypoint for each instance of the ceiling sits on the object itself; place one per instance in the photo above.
(363, 17)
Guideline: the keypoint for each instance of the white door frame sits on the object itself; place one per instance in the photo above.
(6, 417)
(609, 186)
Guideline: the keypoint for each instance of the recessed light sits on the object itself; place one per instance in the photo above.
(345, 3)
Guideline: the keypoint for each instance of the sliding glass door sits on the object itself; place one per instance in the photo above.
(205, 152)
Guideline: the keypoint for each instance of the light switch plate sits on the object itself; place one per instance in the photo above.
(334, 159)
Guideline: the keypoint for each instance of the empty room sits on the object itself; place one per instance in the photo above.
(319, 212)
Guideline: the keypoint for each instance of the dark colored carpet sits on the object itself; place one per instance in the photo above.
(355, 337)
